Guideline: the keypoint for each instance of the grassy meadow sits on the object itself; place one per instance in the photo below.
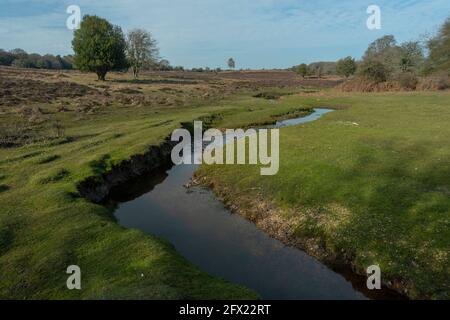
(367, 184)
(45, 225)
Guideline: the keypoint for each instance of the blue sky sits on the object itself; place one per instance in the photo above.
(257, 33)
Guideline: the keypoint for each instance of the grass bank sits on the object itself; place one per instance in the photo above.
(368, 184)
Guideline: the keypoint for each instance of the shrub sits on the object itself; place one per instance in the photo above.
(374, 70)
(408, 80)
(346, 67)
(439, 82)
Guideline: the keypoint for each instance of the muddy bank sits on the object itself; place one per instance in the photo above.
(96, 188)
(267, 217)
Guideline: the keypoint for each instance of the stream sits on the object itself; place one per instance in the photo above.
(224, 244)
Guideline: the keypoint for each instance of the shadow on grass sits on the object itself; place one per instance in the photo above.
(398, 194)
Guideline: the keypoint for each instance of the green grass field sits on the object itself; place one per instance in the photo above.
(45, 226)
(369, 183)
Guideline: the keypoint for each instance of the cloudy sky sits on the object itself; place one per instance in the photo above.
(199, 33)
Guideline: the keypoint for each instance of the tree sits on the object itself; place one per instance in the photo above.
(142, 50)
(325, 67)
(99, 46)
(380, 46)
(385, 51)
(6, 58)
(318, 69)
(231, 63)
(346, 67)
(439, 48)
(373, 70)
(19, 53)
(164, 65)
(302, 70)
(411, 56)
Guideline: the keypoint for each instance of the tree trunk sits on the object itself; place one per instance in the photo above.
(135, 72)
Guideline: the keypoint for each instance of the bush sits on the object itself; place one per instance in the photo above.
(346, 67)
(374, 70)
(439, 82)
(408, 80)
(365, 85)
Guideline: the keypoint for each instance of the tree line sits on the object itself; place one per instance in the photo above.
(20, 58)
(386, 60)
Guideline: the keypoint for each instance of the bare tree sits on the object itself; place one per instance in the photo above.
(142, 50)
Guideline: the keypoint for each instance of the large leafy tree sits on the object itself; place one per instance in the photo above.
(346, 67)
(142, 50)
(99, 46)
(439, 48)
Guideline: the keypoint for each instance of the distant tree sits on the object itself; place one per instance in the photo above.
(324, 67)
(373, 70)
(6, 58)
(99, 46)
(231, 63)
(318, 70)
(439, 50)
(380, 46)
(411, 56)
(346, 67)
(385, 51)
(302, 70)
(164, 65)
(19, 53)
(142, 50)
(23, 63)
(43, 63)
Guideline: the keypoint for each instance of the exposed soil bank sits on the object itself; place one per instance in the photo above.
(96, 188)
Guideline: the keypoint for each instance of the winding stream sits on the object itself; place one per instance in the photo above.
(224, 244)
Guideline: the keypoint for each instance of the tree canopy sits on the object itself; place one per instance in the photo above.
(99, 46)
(439, 48)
